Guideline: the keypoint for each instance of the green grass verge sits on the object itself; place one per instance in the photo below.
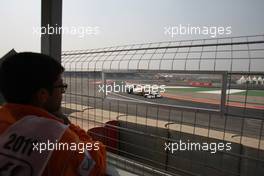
(194, 89)
(254, 93)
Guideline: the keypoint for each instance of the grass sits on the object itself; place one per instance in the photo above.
(195, 89)
(253, 93)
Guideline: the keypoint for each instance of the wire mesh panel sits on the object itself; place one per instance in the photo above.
(191, 107)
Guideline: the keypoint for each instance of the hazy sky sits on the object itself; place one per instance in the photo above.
(127, 21)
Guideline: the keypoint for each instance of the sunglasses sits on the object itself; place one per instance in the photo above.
(62, 86)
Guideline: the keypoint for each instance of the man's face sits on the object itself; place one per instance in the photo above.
(53, 103)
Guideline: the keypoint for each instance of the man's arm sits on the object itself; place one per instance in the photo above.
(99, 155)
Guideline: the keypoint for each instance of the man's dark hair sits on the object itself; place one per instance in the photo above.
(23, 74)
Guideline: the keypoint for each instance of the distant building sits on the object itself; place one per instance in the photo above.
(260, 80)
(254, 80)
(242, 80)
(249, 80)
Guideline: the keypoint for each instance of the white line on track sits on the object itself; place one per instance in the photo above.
(229, 91)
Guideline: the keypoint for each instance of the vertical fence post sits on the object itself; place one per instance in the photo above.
(223, 93)
(51, 22)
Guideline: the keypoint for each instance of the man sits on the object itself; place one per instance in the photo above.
(32, 140)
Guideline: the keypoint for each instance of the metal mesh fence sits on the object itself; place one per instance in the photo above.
(191, 107)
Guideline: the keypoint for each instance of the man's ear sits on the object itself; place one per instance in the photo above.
(42, 96)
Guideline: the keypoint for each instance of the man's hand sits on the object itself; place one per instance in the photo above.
(62, 116)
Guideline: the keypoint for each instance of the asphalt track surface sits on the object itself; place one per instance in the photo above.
(120, 102)
(237, 119)
(236, 124)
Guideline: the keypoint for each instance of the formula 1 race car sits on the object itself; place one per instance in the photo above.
(152, 95)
